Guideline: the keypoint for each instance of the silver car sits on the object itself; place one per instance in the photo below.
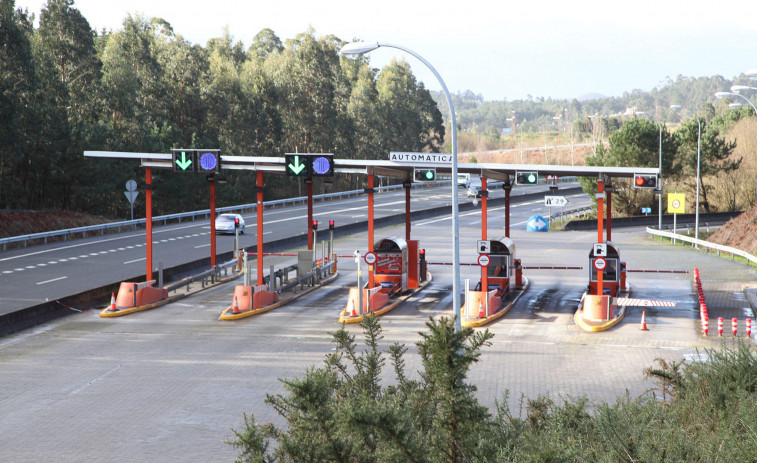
(225, 223)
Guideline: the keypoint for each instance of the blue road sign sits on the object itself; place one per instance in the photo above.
(537, 223)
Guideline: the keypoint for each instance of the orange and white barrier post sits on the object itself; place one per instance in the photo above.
(749, 327)
(720, 326)
(112, 302)
(706, 325)
(735, 325)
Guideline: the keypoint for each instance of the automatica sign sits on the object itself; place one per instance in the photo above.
(420, 158)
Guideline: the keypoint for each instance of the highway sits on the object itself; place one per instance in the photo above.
(105, 389)
(50, 272)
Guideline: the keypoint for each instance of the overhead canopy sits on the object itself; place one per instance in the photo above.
(392, 169)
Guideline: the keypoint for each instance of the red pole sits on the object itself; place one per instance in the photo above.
(484, 225)
(600, 214)
(148, 223)
(370, 228)
(259, 214)
(609, 216)
(407, 212)
(310, 213)
(212, 221)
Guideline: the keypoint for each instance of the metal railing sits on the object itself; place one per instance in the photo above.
(193, 215)
(718, 248)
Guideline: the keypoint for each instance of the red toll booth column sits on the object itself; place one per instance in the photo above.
(600, 214)
(609, 214)
(370, 228)
(309, 183)
(259, 210)
(484, 226)
(212, 221)
(148, 223)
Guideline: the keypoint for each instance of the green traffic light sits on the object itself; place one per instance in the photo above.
(531, 178)
(429, 175)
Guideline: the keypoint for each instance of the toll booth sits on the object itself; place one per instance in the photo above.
(611, 274)
(501, 265)
(391, 271)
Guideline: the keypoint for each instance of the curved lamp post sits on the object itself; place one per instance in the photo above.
(659, 204)
(732, 93)
(356, 49)
(699, 144)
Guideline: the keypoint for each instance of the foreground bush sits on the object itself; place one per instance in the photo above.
(703, 411)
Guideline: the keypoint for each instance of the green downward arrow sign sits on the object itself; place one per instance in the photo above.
(184, 163)
(297, 167)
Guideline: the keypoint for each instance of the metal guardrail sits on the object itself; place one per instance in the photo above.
(205, 213)
(718, 248)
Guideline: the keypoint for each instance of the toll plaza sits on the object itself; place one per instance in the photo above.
(396, 266)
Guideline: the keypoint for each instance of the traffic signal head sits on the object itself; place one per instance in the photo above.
(644, 181)
(309, 165)
(424, 175)
(331, 224)
(236, 222)
(422, 252)
(315, 225)
(183, 160)
(208, 161)
(526, 178)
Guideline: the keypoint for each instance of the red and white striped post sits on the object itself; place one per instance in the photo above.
(749, 327)
(706, 325)
(735, 325)
(720, 326)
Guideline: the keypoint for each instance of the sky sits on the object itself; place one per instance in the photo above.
(501, 49)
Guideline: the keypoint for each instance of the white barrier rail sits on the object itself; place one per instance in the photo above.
(718, 248)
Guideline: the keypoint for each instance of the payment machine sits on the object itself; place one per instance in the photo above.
(611, 274)
(501, 265)
(391, 271)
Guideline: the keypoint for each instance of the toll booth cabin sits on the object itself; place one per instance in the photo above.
(611, 277)
(499, 270)
(391, 271)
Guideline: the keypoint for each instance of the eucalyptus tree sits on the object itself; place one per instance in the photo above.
(412, 120)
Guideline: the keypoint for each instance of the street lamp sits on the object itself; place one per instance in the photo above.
(699, 144)
(354, 50)
(732, 93)
(659, 204)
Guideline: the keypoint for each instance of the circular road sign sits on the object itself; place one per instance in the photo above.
(676, 204)
(370, 258)
(600, 263)
(483, 260)
(131, 185)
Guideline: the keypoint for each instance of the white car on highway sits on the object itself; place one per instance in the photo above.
(225, 223)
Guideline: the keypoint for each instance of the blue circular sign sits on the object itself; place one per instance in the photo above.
(208, 161)
(321, 165)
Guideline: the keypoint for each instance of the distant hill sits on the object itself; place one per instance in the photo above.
(591, 96)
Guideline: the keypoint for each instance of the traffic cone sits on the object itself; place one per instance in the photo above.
(481, 313)
(112, 302)
(235, 309)
(720, 326)
(644, 320)
(749, 327)
(354, 312)
(735, 326)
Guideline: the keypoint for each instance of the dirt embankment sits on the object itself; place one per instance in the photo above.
(739, 232)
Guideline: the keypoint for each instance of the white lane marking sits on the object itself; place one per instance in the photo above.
(7, 271)
(135, 260)
(202, 246)
(18, 270)
(50, 281)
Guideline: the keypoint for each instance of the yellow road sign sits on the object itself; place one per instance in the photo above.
(676, 203)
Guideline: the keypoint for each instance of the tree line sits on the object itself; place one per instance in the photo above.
(65, 88)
